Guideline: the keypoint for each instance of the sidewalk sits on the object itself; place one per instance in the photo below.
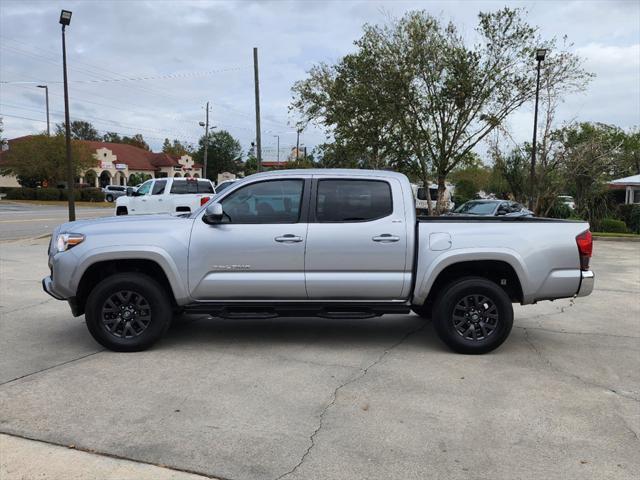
(22, 459)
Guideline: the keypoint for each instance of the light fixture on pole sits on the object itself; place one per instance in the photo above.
(540, 55)
(46, 96)
(65, 20)
(278, 147)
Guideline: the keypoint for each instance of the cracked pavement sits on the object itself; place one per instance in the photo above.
(332, 399)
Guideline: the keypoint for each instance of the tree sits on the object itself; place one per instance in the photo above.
(80, 130)
(176, 149)
(223, 155)
(138, 178)
(416, 92)
(40, 157)
(137, 141)
(112, 137)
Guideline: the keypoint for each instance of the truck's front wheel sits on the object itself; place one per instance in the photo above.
(473, 315)
(128, 312)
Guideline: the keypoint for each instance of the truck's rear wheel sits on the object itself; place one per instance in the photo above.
(128, 312)
(473, 315)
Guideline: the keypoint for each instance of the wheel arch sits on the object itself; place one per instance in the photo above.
(499, 271)
(99, 267)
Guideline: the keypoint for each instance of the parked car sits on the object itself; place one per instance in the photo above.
(166, 195)
(422, 196)
(224, 185)
(330, 243)
(492, 208)
(568, 201)
(111, 192)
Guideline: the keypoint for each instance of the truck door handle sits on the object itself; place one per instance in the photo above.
(288, 238)
(386, 238)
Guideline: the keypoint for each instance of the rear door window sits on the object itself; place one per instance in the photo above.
(158, 187)
(352, 200)
(184, 186)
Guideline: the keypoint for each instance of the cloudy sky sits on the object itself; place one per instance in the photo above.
(149, 66)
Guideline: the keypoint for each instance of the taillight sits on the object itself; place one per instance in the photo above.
(203, 200)
(585, 248)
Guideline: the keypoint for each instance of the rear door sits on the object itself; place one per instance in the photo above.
(356, 240)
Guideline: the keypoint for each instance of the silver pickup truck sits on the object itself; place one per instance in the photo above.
(327, 243)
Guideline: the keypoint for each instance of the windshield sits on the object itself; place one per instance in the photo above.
(476, 208)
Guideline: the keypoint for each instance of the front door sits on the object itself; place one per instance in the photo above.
(138, 203)
(357, 241)
(257, 252)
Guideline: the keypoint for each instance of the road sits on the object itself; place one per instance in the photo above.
(21, 220)
(310, 398)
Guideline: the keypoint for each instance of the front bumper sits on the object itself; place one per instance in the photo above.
(586, 284)
(47, 287)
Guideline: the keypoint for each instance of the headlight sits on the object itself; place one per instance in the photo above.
(67, 240)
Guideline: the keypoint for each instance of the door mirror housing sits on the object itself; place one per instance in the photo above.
(213, 214)
(131, 192)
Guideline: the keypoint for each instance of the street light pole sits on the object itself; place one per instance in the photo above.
(65, 19)
(540, 54)
(46, 96)
(206, 141)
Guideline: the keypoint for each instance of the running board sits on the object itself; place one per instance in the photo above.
(244, 310)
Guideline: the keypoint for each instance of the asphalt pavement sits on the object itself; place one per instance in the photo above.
(308, 398)
(22, 220)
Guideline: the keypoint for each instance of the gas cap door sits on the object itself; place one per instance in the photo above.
(439, 241)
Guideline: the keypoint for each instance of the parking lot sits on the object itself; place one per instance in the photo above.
(315, 398)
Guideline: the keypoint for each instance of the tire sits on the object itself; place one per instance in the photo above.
(122, 211)
(473, 315)
(128, 312)
(109, 198)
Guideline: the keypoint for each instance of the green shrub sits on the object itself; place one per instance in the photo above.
(21, 194)
(611, 225)
(630, 214)
(90, 195)
(47, 194)
(559, 210)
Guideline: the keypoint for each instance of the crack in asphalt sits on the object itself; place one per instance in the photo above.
(628, 427)
(50, 368)
(573, 375)
(4, 312)
(334, 396)
(576, 333)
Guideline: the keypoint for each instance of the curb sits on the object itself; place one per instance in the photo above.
(616, 239)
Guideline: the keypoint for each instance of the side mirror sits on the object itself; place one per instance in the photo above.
(131, 192)
(213, 214)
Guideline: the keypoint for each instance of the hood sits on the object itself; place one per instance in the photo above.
(125, 224)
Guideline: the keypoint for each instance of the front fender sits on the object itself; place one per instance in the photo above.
(175, 276)
(428, 272)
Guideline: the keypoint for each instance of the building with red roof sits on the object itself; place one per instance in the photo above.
(116, 162)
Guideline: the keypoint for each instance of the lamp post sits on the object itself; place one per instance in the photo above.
(46, 96)
(65, 19)
(540, 54)
(278, 147)
(206, 139)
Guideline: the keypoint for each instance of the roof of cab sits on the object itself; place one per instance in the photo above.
(338, 172)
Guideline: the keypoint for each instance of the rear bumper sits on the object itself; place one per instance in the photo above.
(586, 284)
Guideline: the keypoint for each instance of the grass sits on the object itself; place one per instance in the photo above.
(64, 203)
(610, 234)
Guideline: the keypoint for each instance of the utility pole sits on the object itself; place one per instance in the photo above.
(46, 96)
(297, 143)
(65, 19)
(540, 54)
(257, 85)
(206, 142)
